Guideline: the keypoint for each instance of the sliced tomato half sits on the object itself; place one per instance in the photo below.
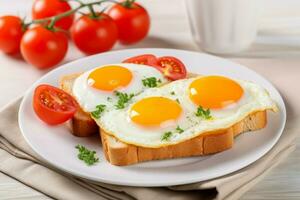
(145, 59)
(171, 67)
(53, 105)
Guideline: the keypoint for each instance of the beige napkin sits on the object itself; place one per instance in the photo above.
(20, 162)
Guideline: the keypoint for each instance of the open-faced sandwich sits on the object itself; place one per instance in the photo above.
(149, 108)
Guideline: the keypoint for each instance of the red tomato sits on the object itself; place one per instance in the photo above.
(48, 8)
(44, 48)
(52, 105)
(171, 67)
(133, 22)
(145, 59)
(94, 35)
(10, 34)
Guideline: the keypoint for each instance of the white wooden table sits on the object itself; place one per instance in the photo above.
(170, 29)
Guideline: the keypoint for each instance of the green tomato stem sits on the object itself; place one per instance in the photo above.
(128, 3)
(55, 18)
(94, 15)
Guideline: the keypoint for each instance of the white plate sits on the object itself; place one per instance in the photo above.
(57, 146)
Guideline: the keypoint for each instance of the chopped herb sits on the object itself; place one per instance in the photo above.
(99, 109)
(177, 101)
(86, 155)
(151, 82)
(109, 99)
(179, 130)
(172, 93)
(205, 114)
(123, 99)
(166, 136)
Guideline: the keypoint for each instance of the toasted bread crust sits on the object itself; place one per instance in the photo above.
(82, 124)
(207, 143)
(121, 154)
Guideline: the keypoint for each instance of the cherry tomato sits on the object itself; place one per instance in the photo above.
(171, 67)
(94, 35)
(44, 48)
(10, 34)
(48, 8)
(145, 59)
(133, 21)
(53, 105)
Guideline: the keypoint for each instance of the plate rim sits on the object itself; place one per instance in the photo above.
(129, 183)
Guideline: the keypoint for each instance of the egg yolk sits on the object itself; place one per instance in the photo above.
(109, 78)
(215, 92)
(155, 111)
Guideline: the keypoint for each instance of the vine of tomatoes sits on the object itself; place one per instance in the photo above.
(43, 42)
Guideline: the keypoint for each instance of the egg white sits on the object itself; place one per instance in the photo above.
(89, 97)
(118, 123)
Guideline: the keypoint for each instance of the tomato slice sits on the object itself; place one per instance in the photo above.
(171, 67)
(53, 105)
(145, 59)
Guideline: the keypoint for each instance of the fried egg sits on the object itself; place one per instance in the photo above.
(98, 86)
(184, 109)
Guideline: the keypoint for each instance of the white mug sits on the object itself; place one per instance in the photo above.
(223, 26)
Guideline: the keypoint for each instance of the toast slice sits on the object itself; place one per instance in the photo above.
(82, 124)
(121, 154)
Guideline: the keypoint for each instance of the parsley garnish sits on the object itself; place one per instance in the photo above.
(177, 101)
(151, 82)
(166, 136)
(109, 99)
(205, 114)
(123, 99)
(172, 93)
(179, 130)
(99, 109)
(86, 155)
